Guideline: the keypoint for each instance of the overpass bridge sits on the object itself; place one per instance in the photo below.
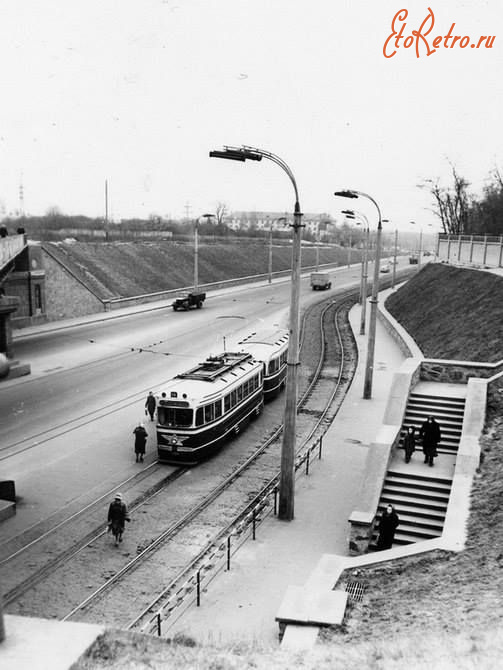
(14, 260)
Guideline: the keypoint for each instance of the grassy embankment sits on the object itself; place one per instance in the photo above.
(125, 269)
(441, 611)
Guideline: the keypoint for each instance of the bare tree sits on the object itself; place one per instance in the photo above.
(221, 211)
(452, 204)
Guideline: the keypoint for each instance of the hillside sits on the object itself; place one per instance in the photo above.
(452, 313)
(125, 269)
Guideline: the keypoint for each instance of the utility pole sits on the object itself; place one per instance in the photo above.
(106, 210)
(286, 506)
(365, 266)
(394, 259)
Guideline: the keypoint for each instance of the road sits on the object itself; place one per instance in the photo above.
(67, 429)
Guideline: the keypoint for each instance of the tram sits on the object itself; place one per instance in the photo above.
(202, 408)
(206, 405)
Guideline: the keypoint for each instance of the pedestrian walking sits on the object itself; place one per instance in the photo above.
(409, 443)
(430, 434)
(140, 440)
(150, 405)
(3, 231)
(117, 516)
(387, 526)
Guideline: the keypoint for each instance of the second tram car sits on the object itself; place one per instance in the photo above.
(271, 348)
(206, 405)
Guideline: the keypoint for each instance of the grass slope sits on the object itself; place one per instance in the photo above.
(452, 313)
(125, 269)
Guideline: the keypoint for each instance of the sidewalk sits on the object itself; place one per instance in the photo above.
(242, 604)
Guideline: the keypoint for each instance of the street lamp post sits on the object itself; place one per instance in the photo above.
(393, 278)
(351, 214)
(269, 273)
(287, 475)
(369, 368)
(196, 248)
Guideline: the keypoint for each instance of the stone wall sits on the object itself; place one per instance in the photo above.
(66, 296)
(457, 372)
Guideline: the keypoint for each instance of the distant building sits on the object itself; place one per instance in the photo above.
(255, 220)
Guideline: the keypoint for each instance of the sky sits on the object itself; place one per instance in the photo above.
(137, 92)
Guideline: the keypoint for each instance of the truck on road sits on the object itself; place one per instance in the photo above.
(320, 281)
(188, 300)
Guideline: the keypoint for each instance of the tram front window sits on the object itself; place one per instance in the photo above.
(174, 416)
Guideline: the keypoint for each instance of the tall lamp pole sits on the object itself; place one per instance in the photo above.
(287, 475)
(106, 210)
(196, 248)
(369, 367)
(395, 252)
(351, 214)
(269, 273)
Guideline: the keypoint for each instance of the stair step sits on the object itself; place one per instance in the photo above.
(439, 401)
(410, 538)
(430, 410)
(438, 495)
(427, 525)
(446, 424)
(421, 488)
(425, 478)
(437, 398)
(412, 509)
(398, 499)
(402, 538)
(414, 497)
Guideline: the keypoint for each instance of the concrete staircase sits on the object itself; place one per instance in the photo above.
(420, 502)
(420, 494)
(448, 412)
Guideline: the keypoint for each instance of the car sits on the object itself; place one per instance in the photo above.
(385, 268)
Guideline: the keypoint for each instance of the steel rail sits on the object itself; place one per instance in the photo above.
(190, 567)
(77, 547)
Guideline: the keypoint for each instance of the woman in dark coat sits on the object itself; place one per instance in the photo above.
(117, 515)
(387, 526)
(140, 440)
(150, 405)
(409, 443)
(430, 434)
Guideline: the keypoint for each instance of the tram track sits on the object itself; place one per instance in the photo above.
(212, 510)
(40, 557)
(268, 477)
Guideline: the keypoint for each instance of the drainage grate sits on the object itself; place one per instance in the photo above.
(356, 590)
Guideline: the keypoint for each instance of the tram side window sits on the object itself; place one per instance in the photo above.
(211, 412)
(208, 413)
(237, 395)
(199, 416)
